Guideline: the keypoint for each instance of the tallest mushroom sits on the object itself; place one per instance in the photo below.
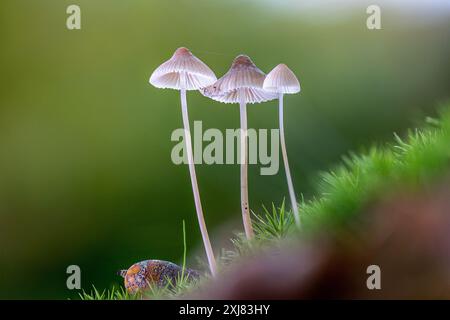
(241, 84)
(183, 71)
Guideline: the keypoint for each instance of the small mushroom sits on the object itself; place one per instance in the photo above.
(241, 84)
(183, 71)
(141, 275)
(282, 80)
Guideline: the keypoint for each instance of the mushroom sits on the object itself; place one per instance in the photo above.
(183, 71)
(282, 80)
(241, 84)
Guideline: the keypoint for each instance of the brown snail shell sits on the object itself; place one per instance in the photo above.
(142, 274)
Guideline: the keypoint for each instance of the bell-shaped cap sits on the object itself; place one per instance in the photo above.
(242, 78)
(281, 80)
(182, 70)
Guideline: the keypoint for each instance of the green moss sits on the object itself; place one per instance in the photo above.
(410, 162)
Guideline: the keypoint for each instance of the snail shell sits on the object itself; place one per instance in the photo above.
(153, 272)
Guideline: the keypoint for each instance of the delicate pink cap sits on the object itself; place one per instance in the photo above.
(183, 62)
(243, 77)
(281, 80)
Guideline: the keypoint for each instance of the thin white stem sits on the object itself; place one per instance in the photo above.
(244, 169)
(198, 204)
(286, 164)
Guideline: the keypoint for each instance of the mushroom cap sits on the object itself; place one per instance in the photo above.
(244, 77)
(168, 75)
(281, 80)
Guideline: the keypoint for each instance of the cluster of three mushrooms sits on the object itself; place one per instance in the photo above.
(243, 83)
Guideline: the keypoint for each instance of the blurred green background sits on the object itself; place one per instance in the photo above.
(85, 171)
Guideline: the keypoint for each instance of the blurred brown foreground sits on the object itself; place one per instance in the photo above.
(407, 236)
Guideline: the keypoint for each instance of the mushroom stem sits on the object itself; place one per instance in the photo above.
(244, 168)
(198, 204)
(286, 164)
